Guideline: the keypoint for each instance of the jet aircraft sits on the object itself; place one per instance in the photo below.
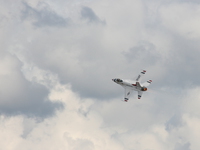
(133, 86)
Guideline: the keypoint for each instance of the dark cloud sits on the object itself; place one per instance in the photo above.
(88, 14)
(185, 146)
(20, 97)
(32, 102)
(144, 52)
(174, 122)
(44, 17)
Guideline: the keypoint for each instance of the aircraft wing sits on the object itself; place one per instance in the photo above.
(127, 93)
(140, 75)
(140, 94)
(147, 83)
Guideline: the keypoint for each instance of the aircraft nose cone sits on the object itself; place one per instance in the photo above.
(113, 80)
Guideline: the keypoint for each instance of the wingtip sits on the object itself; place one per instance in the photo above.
(125, 100)
(149, 81)
(143, 71)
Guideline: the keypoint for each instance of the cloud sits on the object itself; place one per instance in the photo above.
(56, 90)
(174, 122)
(45, 17)
(186, 146)
(88, 14)
(80, 54)
(189, 1)
(144, 52)
(19, 96)
(187, 27)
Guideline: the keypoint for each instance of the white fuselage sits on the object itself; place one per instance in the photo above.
(124, 83)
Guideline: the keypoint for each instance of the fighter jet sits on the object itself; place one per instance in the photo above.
(130, 86)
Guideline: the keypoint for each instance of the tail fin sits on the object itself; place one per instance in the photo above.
(138, 86)
(140, 75)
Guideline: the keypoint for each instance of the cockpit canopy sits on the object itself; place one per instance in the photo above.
(144, 89)
(119, 80)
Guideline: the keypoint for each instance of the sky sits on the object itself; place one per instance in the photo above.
(57, 59)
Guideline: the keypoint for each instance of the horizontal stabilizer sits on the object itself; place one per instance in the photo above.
(147, 83)
(140, 94)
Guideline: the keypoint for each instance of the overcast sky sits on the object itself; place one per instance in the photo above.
(57, 59)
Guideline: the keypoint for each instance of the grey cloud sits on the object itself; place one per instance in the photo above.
(95, 65)
(174, 1)
(189, 1)
(182, 63)
(185, 146)
(88, 14)
(84, 68)
(21, 97)
(33, 103)
(44, 17)
(174, 122)
(88, 60)
(28, 126)
(144, 52)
